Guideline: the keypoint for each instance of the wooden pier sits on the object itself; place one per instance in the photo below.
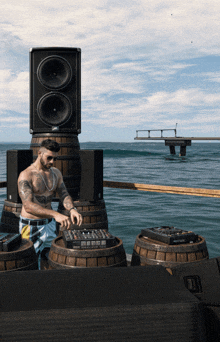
(173, 141)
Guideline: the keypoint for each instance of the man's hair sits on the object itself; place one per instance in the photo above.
(50, 145)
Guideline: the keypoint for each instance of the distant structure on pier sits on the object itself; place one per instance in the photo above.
(172, 141)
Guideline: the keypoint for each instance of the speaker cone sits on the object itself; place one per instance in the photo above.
(54, 72)
(54, 109)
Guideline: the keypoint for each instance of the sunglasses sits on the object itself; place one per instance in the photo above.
(50, 158)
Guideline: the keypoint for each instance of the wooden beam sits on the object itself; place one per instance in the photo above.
(163, 189)
(156, 188)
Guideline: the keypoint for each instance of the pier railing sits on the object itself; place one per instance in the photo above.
(156, 188)
(155, 130)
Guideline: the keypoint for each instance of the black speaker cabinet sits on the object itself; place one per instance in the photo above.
(91, 186)
(202, 278)
(55, 90)
(17, 161)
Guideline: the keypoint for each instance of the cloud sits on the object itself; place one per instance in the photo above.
(138, 58)
(211, 76)
(159, 107)
(184, 98)
(14, 91)
(108, 26)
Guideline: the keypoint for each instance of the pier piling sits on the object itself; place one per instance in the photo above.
(172, 149)
(182, 150)
(174, 142)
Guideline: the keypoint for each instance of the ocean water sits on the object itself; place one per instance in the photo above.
(129, 211)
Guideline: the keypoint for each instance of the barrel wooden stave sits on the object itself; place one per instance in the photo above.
(150, 252)
(11, 215)
(20, 259)
(61, 257)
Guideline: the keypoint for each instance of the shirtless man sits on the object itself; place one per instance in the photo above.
(37, 186)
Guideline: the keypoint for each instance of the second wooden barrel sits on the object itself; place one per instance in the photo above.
(11, 215)
(22, 258)
(61, 257)
(151, 252)
(68, 160)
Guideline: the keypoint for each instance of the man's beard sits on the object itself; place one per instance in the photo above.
(45, 165)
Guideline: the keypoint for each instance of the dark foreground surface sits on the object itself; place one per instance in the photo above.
(102, 304)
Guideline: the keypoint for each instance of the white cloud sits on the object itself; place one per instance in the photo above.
(12, 119)
(106, 26)
(211, 76)
(184, 98)
(14, 91)
(160, 107)
(133, 54)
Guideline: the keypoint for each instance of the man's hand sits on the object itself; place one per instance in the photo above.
(74, 215)
(63, 220)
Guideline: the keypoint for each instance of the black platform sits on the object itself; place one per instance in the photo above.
(117, 304)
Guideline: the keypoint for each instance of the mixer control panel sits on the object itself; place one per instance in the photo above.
(169, 235)
(88, 239)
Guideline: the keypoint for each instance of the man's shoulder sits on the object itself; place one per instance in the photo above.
(27, 173)
(56, 171)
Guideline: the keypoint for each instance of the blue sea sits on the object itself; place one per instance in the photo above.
(130, 211)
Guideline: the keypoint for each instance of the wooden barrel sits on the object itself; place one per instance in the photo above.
(94, 214)
(68, 160)
(21, 258)
(61, 257)
(11, 215)
(151, 252)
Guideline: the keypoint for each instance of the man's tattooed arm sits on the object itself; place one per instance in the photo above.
(68, 203)
(64, 196)
(25, 190)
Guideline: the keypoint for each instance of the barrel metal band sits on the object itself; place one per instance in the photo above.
(62, 266)
(101, 212)
(80, 253)
(195, 247)
(12, 204)
(70, 144)
(72, 157)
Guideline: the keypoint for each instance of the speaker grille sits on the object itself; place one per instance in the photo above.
(54, 72)
(54, 109)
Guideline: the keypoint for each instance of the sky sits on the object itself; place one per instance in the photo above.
(145, 64)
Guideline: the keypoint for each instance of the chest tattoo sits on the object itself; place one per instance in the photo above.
(44, 200)
(39, 185)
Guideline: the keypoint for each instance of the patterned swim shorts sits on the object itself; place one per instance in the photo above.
(40, 232)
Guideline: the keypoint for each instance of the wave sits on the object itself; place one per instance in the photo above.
(128, 153)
